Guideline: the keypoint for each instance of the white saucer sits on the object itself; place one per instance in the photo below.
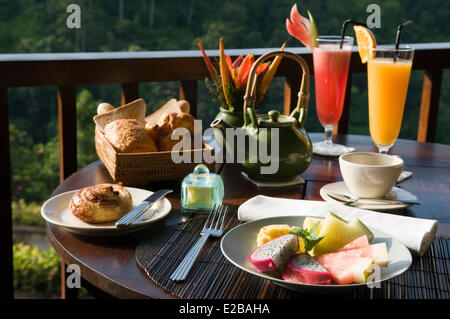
(395, 194)
(56, 211)
(337, 150)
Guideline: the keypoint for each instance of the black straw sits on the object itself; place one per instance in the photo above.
(399, 32)
(344, 27)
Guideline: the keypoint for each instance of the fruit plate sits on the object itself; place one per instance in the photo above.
(239, 242)
(56, 211)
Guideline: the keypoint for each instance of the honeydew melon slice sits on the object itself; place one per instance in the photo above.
(339, 233)
(362, 269)
(379, 254)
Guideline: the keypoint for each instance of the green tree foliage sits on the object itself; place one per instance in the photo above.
(36, 270)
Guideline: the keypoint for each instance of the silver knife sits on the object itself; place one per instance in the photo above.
(134, 214)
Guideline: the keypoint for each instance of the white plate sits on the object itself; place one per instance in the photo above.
(239, 242)
(394, 194)
(56, 211)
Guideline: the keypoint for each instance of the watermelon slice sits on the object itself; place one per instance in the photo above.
(376, 251)
(301, 28)
(359, 242)
(354, 265)
(347, 267)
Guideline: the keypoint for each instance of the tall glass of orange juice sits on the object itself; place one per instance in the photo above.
(388, 73)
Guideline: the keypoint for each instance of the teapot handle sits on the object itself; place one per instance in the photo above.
(300, 112)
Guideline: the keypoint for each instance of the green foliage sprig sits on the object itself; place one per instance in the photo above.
(310, 237)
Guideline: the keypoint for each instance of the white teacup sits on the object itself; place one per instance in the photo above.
(370, 175)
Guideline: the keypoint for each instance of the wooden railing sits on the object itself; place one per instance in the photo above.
(67, 70)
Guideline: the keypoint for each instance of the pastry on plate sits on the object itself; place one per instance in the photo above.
(129, 136)
(101, 203)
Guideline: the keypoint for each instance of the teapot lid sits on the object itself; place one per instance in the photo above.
(275, 119)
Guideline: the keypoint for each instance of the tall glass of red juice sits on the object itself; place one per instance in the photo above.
(331, 63)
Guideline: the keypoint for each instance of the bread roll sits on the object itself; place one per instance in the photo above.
(101, 203)
(184, 106)
(168, 123)
(129, 136)
(172, 106)
(103, 108)
(134, 110)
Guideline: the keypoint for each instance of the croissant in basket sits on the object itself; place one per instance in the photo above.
(167, 124)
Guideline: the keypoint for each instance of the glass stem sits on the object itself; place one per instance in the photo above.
(383, 149)
(328, 134)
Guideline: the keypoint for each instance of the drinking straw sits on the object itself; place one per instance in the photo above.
(344, 27)
(399, 32)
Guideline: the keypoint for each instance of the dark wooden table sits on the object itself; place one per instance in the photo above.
(109, 263)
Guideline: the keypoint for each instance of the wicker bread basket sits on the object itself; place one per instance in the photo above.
(142, 168)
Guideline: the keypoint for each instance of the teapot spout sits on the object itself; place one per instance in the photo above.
(218, 123)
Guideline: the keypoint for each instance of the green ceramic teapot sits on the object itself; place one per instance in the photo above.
(271, 147)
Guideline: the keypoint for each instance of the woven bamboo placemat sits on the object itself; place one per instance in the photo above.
(212, 276)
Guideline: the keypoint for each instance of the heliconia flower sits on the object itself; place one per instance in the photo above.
(301, 28)
(263, 67)
(244, 70)
(268, 76)
(224, 72)
(238, 61)
(232, 77)
(212, 71)
(240, 69)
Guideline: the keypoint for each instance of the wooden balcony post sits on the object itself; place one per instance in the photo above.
(130, 92)
(429, 105)
(189, 92)
(67, 119)
(6, 266)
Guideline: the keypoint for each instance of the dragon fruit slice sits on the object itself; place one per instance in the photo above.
(305, 269)
(274, 254)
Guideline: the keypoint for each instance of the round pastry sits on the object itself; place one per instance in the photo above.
(129, 136)
(101, 203)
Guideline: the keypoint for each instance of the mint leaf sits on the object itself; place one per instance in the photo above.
(313, 229)
(310, 237)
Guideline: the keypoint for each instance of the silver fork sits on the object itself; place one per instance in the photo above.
(209, 229)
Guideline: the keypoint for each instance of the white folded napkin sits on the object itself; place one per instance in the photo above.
(415, 233)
